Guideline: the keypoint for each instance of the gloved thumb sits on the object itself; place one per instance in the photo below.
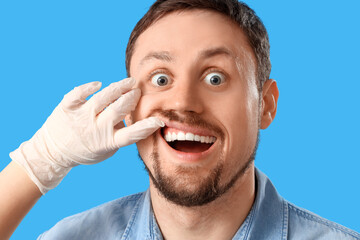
(136, 132)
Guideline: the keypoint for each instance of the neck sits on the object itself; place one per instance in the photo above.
(219, 219)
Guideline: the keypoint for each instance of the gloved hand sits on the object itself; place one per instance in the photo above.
(81, 131)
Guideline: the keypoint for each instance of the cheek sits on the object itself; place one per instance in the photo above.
(145, 149)
(240, 119)
(143, 110)
(146, 105)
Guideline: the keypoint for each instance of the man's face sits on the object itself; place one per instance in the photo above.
(197, 73)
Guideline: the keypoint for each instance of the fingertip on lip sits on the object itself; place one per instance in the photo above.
(162, 124)
(158, 121)
(161, 121)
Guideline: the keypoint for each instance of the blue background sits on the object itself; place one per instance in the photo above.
(311, 151)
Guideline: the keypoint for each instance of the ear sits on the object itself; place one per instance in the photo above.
(270, 95)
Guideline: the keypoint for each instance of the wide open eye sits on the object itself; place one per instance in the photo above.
(215, 78)
(160, 80)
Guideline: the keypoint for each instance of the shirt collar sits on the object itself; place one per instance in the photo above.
(268, 217)
(142, 224)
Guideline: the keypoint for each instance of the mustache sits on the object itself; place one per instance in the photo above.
(189, 118)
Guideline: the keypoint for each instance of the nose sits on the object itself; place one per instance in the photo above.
(185, 96)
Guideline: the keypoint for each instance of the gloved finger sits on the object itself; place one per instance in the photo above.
(138, 131)
(116, 111)
(109, 94)
(78, 95)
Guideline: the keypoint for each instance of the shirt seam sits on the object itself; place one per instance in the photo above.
(249, 224)
(132, 220)
(285, 220)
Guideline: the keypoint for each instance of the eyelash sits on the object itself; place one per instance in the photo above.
(207, 71)
(212, 70)
(153, 73)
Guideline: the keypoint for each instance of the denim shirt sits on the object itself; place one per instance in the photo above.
(271, 217)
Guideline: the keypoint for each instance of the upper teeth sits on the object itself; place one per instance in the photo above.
(181, 136)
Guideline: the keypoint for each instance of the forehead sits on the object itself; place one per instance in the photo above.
(183, 35)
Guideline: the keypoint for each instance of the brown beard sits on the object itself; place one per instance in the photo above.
(185, 188)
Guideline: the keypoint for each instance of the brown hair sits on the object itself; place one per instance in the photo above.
(239, 12)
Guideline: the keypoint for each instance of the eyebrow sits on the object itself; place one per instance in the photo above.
(162, 56)
(212, 52)
(166, 56)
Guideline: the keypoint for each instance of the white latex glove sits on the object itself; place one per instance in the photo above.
(81, 131)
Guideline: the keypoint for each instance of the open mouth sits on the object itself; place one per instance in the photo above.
(186, 141)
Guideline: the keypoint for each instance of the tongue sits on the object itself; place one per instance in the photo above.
(191, 147)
